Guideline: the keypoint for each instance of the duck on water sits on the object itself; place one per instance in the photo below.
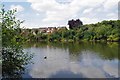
(45, 57)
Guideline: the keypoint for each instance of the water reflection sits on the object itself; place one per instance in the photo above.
(66, 74)
(88, 60)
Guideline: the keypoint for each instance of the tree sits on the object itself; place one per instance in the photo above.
(14, 59)
(74, 23)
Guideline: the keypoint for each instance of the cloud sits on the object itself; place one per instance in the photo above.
(57, 12)
(13, 0)
(87, 10)
(89, 21)
(111, 69)
(111, 4)
(19, 8)
(54, 11)
(112, 15)
(37, 14)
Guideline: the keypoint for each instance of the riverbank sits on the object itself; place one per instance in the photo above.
(103, 31)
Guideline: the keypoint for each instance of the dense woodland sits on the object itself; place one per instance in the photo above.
(101, 31)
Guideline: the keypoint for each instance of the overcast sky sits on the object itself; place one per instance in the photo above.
(42, 13)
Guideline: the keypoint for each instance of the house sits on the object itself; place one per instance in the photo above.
(42, 30)
(34, 31)
(51, 29)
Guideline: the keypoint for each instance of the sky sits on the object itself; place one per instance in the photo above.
(54, 13)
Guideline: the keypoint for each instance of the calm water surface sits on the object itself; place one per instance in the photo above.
(73, 60)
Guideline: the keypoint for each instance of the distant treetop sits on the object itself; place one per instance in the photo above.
(74, 23)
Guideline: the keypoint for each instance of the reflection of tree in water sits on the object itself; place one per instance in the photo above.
(103, 49)
(13, 64)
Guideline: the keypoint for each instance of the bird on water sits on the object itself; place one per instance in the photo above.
(45, 57)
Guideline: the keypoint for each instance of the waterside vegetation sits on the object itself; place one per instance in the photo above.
(14, 59)
(101, 31)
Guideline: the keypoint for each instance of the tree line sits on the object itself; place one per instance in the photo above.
(101, 31)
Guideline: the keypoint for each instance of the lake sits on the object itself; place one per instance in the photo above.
(73, 60)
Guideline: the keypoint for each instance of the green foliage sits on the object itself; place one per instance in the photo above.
(101, 31)
(14, 59)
